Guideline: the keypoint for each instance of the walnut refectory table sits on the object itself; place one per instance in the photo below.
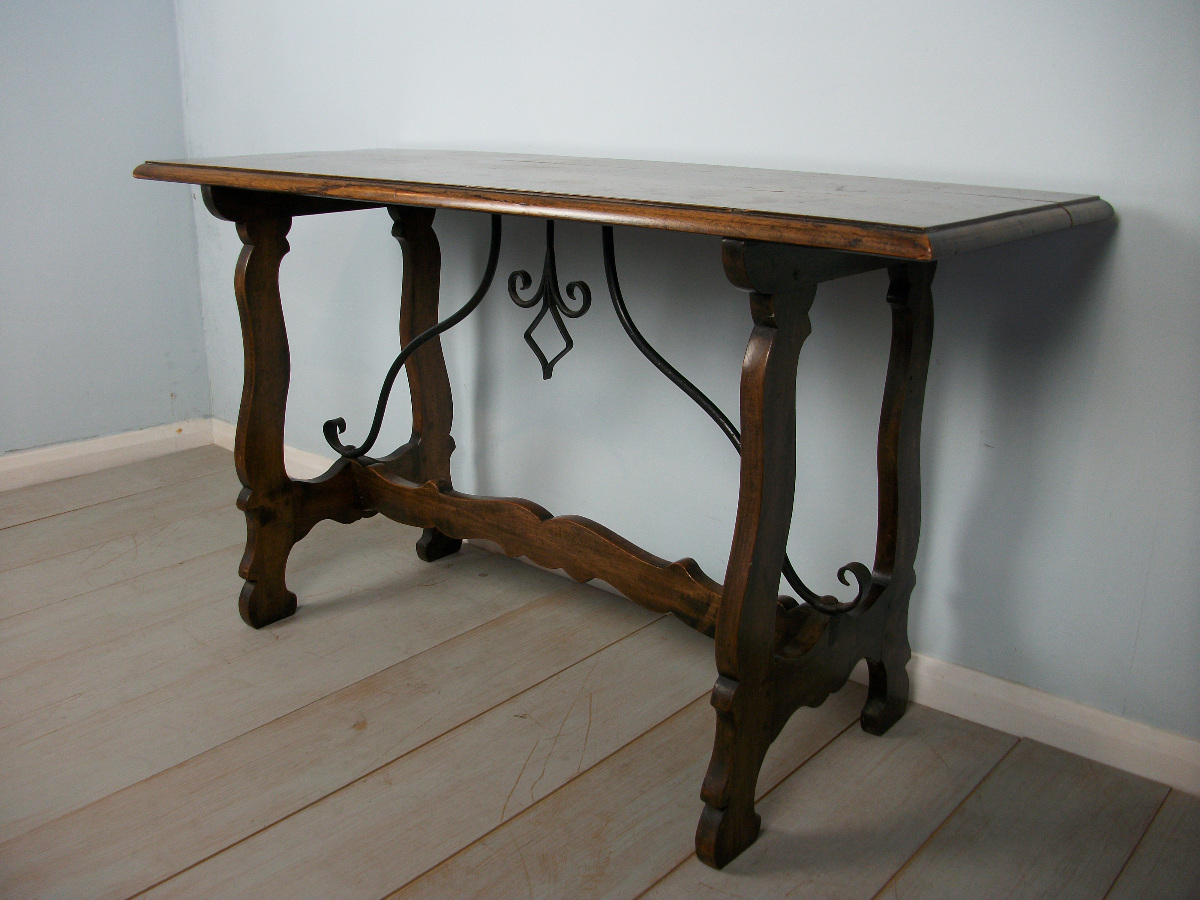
(784, 233)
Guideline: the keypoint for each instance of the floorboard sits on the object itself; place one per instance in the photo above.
(169, 692)
(474, 727)
(42, 637)
(849, 818)
(1045, 823)
(627, 822)
(450, 792)
(224, 795)
(1166, 863)
(40, 584)
(90, 526)
(40, 501)
(190, 631)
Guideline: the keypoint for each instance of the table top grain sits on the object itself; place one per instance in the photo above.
(882, 216)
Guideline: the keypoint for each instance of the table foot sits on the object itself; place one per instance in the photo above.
(270, 536)
(267, 495)
(723, 834)
(899, 462)
(279, 511)
(262, 603)
(433, 545)
(728, 823)
(276, 521)
(887, 693)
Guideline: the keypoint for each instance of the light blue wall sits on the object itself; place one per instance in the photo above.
(100, 321)
(1061, 445)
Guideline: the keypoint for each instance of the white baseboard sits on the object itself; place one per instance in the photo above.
(1004, 705)
(21, 468)
(1150, 752)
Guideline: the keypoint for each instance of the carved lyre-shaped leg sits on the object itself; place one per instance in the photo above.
(266, 497)
(899, 464)
(426, 456)
(279, 511)
(746, 620)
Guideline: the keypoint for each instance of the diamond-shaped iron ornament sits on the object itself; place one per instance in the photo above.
(551, 300)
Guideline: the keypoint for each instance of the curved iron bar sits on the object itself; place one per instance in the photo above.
(823, 602)
(335, 427)
(551, 300)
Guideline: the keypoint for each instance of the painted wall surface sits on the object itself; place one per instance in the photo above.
(1062, 492)
(100, 321)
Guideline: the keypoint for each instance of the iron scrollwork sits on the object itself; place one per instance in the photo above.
(551, 300)
(335, 427)
(549, 296)
(823, 602)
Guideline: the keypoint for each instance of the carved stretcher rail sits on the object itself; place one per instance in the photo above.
(585, 550)
(578, 546)
(815, 654)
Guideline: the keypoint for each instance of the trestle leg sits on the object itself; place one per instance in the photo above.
(899, 462)
(426, 456)
(279, 511)
(746, 620)
(773, 657)
(266, 497)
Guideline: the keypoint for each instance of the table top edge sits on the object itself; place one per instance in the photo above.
(909, 242)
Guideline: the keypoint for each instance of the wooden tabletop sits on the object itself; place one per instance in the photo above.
(883, 216)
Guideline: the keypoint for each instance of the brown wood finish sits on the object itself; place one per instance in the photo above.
(746, 619)
(888, 217)
(236, 205)
(266, 496)
(278, 511)
(899, 462)
(426, 456)
(773, 655)
(578, 546)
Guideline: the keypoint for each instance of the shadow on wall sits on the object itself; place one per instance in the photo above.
(1016, 323)
(610, 438)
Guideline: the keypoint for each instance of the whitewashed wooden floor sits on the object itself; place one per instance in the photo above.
(475, 727)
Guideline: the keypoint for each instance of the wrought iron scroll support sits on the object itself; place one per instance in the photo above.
(549, 296)
(335, 427)
(551, 300)
(824, 603)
